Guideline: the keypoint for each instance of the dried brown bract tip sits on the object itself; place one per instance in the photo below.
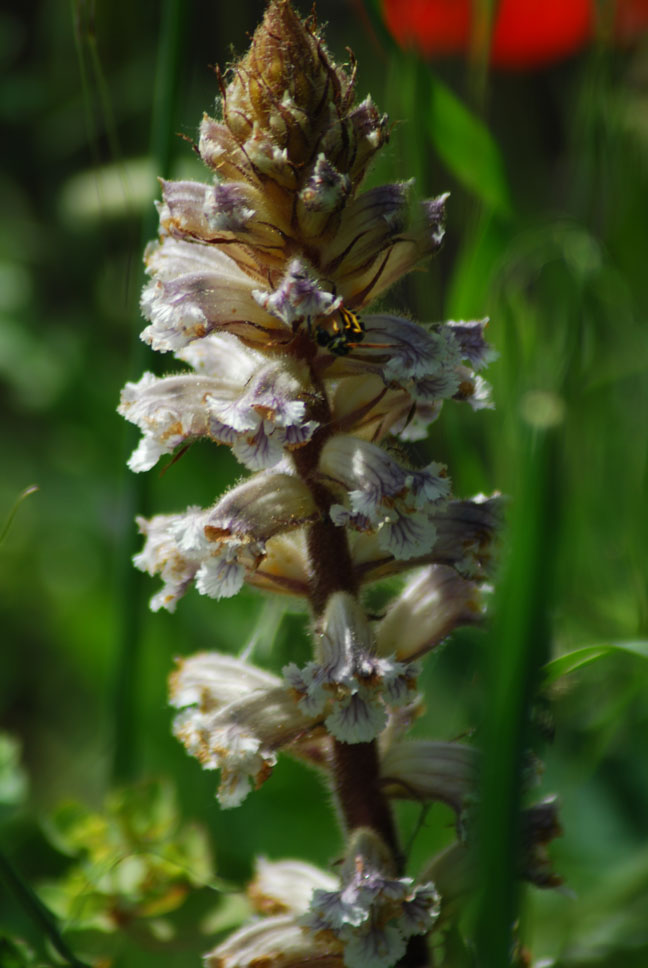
(286, 104)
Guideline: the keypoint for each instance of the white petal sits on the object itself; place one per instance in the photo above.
(196, 288)
(275, 942)
(287, 885)
(148, 452)
(213, 680)
(220, 577)
(298, 296)
(407, 535)
(357, 719)
(379, 947)
(260, 451)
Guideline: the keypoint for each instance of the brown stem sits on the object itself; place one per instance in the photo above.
(356, 772)
(356, 768)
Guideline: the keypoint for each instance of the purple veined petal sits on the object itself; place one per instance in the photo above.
(221, 433)
(309, 683)
(406, 535)
(323, 195)
(465, 540)
(377, 947)
(430, 485)
(473, 346)
(195, 289)
(296, 435)
(347, 676)
(229, 207)
(161, 555)
(442, 385)
(373, 912)
(334, 910)
(220, 577)
(341, 517)
(421, 911)
(299, 296)
(364, 468)
(399, 681)
(262, 450)
(359, 718)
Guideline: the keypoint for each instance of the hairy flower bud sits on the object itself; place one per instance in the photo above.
(435, 601)
(424, 770)
(233, 718)
(286, 886)
(276, 942)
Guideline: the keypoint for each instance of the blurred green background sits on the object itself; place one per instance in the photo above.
(547, 235)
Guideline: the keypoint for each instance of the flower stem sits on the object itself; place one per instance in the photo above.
(362, 802)
(356, 770)
(37, 912)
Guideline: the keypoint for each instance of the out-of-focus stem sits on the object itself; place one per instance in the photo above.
(37, 912)
(519, 640)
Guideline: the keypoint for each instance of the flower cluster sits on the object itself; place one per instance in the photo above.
(260, 283)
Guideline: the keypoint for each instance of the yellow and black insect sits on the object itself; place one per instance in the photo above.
(343, 330)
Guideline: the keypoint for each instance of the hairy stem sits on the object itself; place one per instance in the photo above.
(356, 772)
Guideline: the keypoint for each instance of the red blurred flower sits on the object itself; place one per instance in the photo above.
(526, 33)
(630, 19)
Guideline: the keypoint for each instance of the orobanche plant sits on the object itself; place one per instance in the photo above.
(261, 282)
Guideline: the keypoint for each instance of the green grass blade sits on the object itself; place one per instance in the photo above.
(564, 664)
(467, 148)
(40, 915)
(517, 651)
(21, 497)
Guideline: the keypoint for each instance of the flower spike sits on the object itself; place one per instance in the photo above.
(261, 287)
